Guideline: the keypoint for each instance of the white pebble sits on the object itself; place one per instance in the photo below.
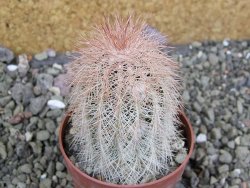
(43, 176)
(56, 104)
(57, 66)
(12, 67)
(248, 56)
(201, 138)
(225, 42)
(28, 136)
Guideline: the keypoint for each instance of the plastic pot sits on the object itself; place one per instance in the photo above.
(82, 180)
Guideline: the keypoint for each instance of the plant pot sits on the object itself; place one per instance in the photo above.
(82, 180)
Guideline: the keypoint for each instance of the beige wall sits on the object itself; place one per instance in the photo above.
(34, 25)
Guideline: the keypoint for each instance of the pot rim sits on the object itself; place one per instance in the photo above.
(185, 121)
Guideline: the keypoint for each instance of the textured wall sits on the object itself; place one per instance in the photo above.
(34, 25)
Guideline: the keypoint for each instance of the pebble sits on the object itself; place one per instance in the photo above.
(23, 64)
(42, 135)
(216, 133)
(44, 81)
(28, 136)
(57, 66)
(12, 68)
(55, 90)
(213, 59)
(239, 107)
(3, 152)
(41, 56)
(37, 104)
(26, 168)
(6, 55)
(225, 157)
(56, 104)
(201, 138)
(180, 157)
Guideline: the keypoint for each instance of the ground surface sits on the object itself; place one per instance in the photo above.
(217, 100)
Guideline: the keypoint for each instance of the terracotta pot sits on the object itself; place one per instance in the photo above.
(82, 180)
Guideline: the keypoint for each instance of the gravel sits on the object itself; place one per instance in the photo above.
(217, 100)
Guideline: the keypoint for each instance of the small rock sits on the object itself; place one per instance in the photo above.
(223, 168)
(60, 81)
(44, 81)
(239, 107)
(3, 152)
(28, 136)
(231, 144)
(45, 183)
(21, 185)
(55, 90)
(201, 138)
(23, 64)
(186, 95)
(37, 104)
(216, 133)
(12, 68)
(56, 104)
(235, 173)
(57, 66)
(225, 157)
(22, 93)
(180, 157)
(245, 140)
(51, 53)
(6, 55)
(26, 168)
(213, 180)
(196, 44)
(4, 100)
(210, 113)
(41, 56)
(225, 43)
(42, 135)
(213, 59)
(59, 166)
(50, 125)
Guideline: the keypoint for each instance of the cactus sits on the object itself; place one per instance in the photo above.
(124, 102)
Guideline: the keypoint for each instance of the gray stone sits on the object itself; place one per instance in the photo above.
(26, 168)
(46, 183)
(22, 93)
(231, 144)
(245, 140)
(186, 95)
(37, 104)
(225, 157)
(4, 100)
(223, 168)
(44, 81)
(59, 166)
(180, 157)
(23, 65)
(216, 133)
(41, 56)
(242, 152)
(21, 185)
(210, 114)
(213, 59)
(42, 135)
(50, 125)
(3, 152)
(239, 107)
(6, 55)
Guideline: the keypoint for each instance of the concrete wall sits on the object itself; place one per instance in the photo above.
(34, 25)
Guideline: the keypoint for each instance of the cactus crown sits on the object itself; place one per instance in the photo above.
(124, 101)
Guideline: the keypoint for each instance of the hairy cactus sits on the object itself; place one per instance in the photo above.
(124, 102)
